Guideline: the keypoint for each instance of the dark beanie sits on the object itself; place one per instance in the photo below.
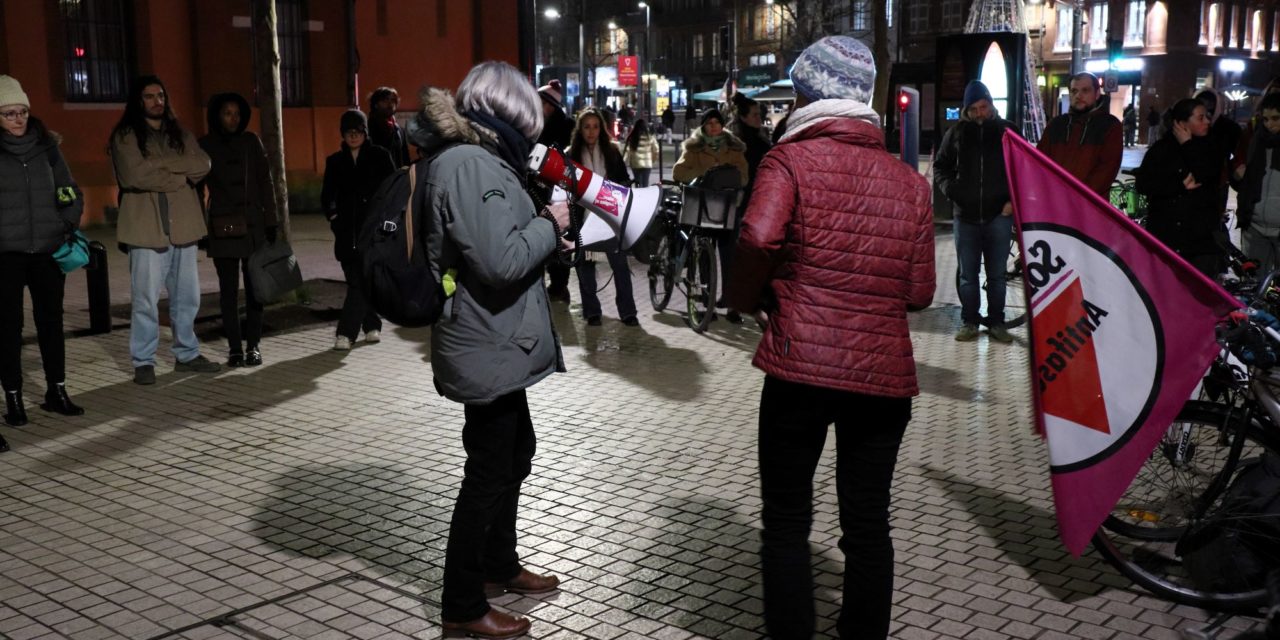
(353, 119)
(709, 114)
(974, 92)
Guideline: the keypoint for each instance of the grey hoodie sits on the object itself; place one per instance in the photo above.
(495, 336)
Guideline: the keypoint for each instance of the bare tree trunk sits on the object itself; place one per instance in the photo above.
(268, 80)
(880, 49)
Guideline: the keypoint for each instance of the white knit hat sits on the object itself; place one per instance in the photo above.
(835, 67)
(11, 92)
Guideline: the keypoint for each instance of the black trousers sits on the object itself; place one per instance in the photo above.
(558, 274)
(793, 429)
(500, 444)
(39, 273)
(229, 270)
(357, 313)
(625, 296)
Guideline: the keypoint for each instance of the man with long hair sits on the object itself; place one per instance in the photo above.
(384, 131)
(157, 164)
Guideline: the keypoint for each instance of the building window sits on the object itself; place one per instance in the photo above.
(1098, 27)
(1211, 24)
(96, 60)
(918, 16)
(291, 33)
(952, 14)
(1135, 24)
(1063, 41)
(861, 15)
(1275, 32)
(888, 12)
(697, 46)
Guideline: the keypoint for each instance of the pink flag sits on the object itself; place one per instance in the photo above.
(1121, 332)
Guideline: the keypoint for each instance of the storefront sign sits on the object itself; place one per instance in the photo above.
(628, 71)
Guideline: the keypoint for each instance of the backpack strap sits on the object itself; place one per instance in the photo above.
(408, 212)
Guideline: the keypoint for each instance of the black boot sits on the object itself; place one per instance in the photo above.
(235, 359)
(4, 446)
(15, 412)
(57, 401)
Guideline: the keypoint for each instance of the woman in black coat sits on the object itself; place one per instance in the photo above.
(241, 218)
(351, 177)
(1180, 175)
(591, 147)
(748, 125)
(40, 207)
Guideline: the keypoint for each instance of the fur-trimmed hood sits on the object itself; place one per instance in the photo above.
(698, 141)
(439, 123)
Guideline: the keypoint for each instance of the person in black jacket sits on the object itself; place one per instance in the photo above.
(384, 131)
(592, 148)
(1180, 175)
(557, 131)
(241, 218)
(969, 169)
(351, 176)
(40, 206)
(747, 124)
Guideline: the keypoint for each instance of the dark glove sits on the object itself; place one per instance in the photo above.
(270, 232)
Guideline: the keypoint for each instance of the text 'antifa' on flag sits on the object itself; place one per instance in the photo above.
(1121, 331)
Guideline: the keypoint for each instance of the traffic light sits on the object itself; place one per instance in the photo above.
(909, 126)
(904, 101)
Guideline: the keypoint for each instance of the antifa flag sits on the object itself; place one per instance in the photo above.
(1121, 331)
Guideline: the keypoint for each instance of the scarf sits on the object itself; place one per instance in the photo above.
(714, 142)
(593, 159)
(506, 143)
(19, 145)
(829, 109)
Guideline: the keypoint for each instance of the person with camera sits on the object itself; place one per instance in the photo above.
(495, 338)
(40, 206)
(241, 218)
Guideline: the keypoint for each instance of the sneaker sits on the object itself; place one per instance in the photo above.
(967, 333)
(999, 334)
(373, 337)
(342, 343)
(146, 374)
(198, 364)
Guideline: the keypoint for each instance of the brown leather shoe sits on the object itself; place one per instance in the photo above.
(494, 625)
(527, 582)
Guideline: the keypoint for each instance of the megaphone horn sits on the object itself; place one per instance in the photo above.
(620, 212)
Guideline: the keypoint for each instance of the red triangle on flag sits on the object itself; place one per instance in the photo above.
(1067, 361)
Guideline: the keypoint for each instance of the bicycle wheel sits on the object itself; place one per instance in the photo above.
(700, 283)
(1015, 303)
(661, 277)
(1140, 537)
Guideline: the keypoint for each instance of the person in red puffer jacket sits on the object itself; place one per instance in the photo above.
(836, 247)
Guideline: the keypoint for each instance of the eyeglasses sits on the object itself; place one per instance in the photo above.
(14, 115)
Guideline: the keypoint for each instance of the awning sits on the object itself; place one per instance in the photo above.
(717, 95)
(779, 91)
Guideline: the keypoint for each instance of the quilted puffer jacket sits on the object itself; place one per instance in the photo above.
(840, 234)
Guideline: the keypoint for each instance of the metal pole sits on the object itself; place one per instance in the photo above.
(582, 52)
(1077, 38)
(648, 65)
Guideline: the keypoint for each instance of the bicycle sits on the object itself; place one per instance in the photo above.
(1178, 499)
(686, 247)
(1125, 197)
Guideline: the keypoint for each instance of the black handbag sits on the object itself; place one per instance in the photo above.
(274, 271)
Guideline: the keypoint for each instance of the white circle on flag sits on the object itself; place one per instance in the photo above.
(1126, 342)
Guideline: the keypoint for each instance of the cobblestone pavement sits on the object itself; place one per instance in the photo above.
(167, 505)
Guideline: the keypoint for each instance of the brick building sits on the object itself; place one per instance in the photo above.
(75, 58)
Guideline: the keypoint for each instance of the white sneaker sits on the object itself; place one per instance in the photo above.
(373, 337)
(342, 343)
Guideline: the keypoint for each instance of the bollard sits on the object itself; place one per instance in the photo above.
(99, 282)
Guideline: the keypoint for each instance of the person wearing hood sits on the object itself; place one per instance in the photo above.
(241, 214)
(495, 338)
(840, 267)
(710, 145)
(351, 176)
(40, 206)
(1258, 201)
(970, 171)
(1087, 141)
(557, 131)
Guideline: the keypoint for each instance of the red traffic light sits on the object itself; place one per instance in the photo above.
(904, 101)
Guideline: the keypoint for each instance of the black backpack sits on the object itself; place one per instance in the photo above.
(398, 279)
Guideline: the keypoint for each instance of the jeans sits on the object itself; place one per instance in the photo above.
(229, 270)
(357, 313)
(40, 274)
(175, 269)
(625, 297)
(642, 177)
(988, 245)
(793, 429)
(500, 444)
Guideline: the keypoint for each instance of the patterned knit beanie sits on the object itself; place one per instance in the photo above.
(837, 67)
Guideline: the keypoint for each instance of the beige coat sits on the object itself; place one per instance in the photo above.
(645, 155)
(697, 158)
(163, 174)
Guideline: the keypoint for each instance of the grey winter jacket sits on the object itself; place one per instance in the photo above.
(495, 336)
(30, 219)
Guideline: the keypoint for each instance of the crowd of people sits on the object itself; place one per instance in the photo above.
(829, 268)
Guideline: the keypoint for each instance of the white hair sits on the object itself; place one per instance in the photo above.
(500, 90)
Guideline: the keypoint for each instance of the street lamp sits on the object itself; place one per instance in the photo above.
(551, 14)
(646, 81)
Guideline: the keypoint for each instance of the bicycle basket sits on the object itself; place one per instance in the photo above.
(710, 208)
